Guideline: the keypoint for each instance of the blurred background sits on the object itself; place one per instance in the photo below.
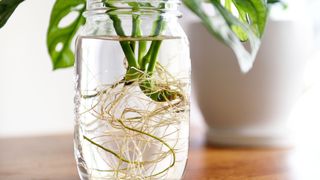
(277, 99)
(34, 100)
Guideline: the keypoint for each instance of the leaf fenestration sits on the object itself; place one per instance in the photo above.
(59, 39)
(233, 22)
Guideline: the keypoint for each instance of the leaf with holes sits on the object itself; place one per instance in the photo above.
(7, 7)
(234, 21)
(60, 36)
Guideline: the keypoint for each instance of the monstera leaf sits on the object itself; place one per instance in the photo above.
(7, 7)
(234, 22)
(59, 36)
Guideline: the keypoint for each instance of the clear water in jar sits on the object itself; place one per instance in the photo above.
(120, 132)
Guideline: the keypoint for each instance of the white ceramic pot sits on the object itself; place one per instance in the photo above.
(249, 109)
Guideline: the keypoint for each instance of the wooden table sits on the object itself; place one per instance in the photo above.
(52, 158)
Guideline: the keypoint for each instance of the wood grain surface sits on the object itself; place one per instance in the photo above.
(51, 157)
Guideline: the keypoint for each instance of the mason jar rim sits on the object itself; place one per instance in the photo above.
(95, 7)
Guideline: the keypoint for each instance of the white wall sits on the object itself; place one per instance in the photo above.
(33, 98)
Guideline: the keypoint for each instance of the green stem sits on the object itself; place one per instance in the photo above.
(125, 45)
(148, 86)
(146, 59)
(142, 51)
(129, 54)
(135, 30)
(158, 26)
(153, 57)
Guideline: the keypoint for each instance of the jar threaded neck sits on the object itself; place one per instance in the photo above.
(133, 6)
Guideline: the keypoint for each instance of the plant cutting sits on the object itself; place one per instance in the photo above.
(133, 77)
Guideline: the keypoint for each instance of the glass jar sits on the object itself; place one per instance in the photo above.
(132, 91)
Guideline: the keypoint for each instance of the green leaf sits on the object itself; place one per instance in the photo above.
(242, 35)
(7, 7)
(256, 14)
(59, 39)
(233, 22)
